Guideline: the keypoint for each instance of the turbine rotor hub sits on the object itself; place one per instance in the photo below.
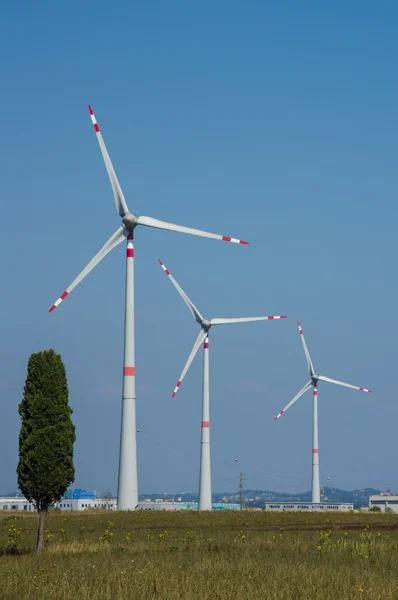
(129, 221)
(206, 324)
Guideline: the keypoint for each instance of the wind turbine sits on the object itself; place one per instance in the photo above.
(203, 338)
(127, 481)
(313, 382)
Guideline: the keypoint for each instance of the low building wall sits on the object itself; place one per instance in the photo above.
(308, 506)
(385, 503)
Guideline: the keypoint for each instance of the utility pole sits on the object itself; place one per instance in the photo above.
(242, 478)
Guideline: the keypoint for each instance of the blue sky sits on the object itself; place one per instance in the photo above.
(272, 122)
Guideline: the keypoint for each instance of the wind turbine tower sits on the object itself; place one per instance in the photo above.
(203, 338)
(127, 495)
(313, 382)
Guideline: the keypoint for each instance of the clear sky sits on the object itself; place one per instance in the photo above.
(275, 122)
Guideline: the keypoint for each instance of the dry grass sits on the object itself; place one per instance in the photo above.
(190, 555)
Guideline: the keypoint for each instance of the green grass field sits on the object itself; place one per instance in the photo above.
(190, 555)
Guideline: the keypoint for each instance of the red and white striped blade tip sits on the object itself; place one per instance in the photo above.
(365, 390)
(278, 416)
(163, 267)
(277, 317)
(58, 302)
(176, 389)
(93, 119)
(225, 238)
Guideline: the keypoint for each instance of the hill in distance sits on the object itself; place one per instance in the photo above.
(257, 498)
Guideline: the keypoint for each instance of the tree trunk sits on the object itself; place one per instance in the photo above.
(42, 514)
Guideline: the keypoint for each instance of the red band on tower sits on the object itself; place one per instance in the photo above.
(129, 371)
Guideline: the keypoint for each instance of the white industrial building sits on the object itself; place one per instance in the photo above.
(20, 503)
(167, 505)
(385, 503)
(67, 504)
(87, 504)
(15, 503)
(308, 506)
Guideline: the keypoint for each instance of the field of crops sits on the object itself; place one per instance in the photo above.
(190, 555)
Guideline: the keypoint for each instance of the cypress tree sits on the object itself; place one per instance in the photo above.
(45, 468)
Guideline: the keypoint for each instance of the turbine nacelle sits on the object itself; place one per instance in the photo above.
(129, 221)
(205, 324)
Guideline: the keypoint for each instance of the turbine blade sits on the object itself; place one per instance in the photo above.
(354, 387)
(244, 320)
(307, 354)
(301, 392)
(149, 222)
(117, 237)
(199, 340)
(196, 314)
(121, 204)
